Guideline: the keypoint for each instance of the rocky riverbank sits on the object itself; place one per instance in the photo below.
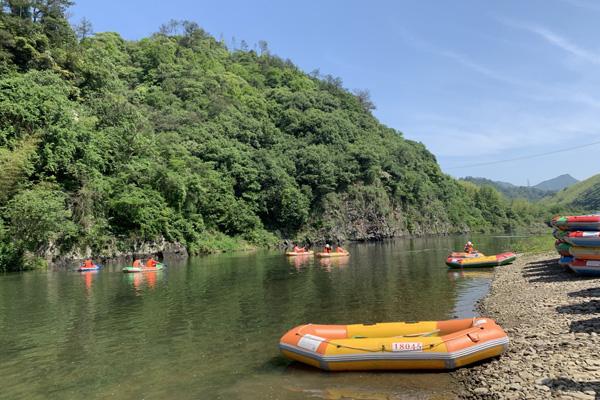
(553, 319)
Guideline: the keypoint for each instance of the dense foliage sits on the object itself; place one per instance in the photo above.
(106, 142)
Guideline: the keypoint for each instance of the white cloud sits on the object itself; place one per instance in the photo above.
(586, 5)
(537, 116)
(565, 44)
(556, 40)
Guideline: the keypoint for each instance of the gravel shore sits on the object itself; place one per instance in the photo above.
(552, 317)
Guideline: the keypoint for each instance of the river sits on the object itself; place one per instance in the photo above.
(208, 327)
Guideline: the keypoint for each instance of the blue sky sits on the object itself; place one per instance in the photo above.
(475, 81)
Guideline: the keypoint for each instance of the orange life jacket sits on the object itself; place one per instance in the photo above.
(151, 263)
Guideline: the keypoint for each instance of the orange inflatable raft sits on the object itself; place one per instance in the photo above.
(299, 253)
(333, 254)
(395, 345)
(462, 254)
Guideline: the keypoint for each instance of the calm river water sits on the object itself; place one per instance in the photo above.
(208, 327)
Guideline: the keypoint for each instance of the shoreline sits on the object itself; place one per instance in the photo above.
(175, 250)
(552, 317)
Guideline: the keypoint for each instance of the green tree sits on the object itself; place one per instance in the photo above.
(39, 219)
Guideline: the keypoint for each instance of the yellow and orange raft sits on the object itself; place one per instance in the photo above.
(395, 345)
(299, 253)
(333, 254)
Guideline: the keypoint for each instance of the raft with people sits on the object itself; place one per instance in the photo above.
(472, 258)
(329, 252)
(150, 266)
(130, 269)
(299, 251)
(88, 265)
(481, 262)
(395, 345)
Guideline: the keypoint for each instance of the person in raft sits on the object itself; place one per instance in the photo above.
(469, 248)
(299, 249)
(88, 263)
(151, 263)
(327, 248)
(137, 263)
(339, 249)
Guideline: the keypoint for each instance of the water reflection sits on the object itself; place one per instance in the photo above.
(88, 278)
(142, 280)
(479, 273)
(299, 262)
(334, 262)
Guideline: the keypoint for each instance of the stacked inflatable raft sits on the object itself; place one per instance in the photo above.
(578, 242)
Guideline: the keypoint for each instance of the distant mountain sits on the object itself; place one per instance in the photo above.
(584, 195)
(558, 183)
(511, 191)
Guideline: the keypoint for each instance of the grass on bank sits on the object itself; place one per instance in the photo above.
(218, 242)
(535, 245)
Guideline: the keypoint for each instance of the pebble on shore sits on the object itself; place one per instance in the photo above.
(552, 317)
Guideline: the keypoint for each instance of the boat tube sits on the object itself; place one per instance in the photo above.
(563, 248)
(559, 235)
(333, 254)
(85, 269)
(479, 262)
(395, 345)
(300, 253)
(586, 267)
(462, 254)
(130, 269)
(565, 261)
(583, 238)
(585, 253)
(578, 223)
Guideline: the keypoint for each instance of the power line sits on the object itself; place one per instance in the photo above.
(526, 157)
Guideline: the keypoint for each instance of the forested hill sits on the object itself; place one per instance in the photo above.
(582, 196)
(511, 191)
(558, 183)
(106, 144)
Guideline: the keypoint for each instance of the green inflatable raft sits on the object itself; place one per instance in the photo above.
(131, 269)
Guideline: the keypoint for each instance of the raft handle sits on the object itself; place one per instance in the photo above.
(474, 336)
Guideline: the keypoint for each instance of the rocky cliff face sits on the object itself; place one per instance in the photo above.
(364, 215)
(125, 253)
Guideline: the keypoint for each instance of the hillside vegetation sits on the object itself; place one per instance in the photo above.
(109, 145)
(511, 191)
(583, 196)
